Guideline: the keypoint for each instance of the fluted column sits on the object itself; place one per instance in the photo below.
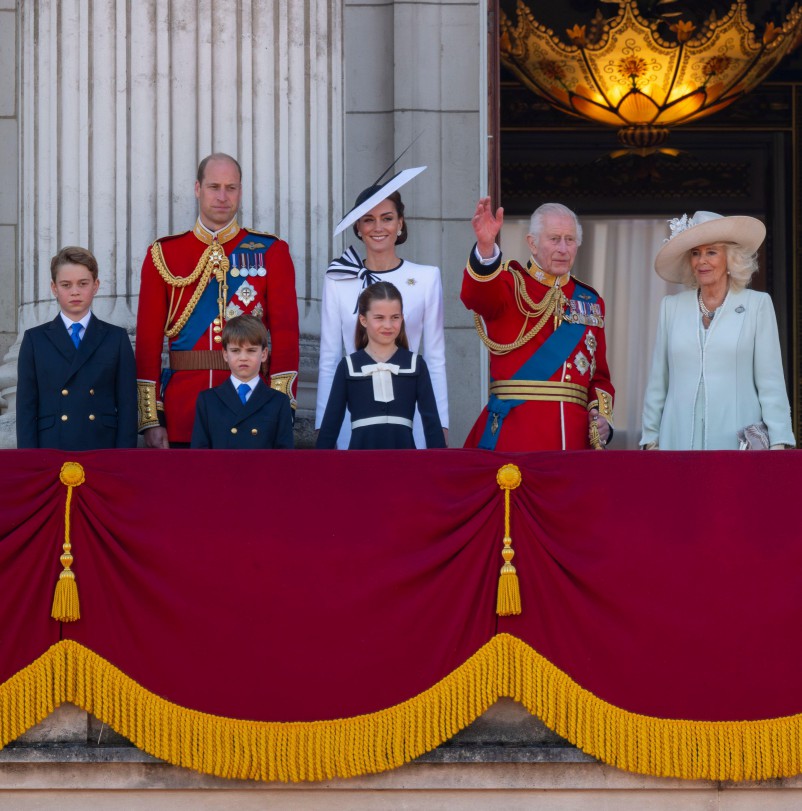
(118, 103)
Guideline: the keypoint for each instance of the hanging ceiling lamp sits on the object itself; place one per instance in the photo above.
(623, 73)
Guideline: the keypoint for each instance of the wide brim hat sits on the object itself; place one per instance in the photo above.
(371, 197)
(704, 228)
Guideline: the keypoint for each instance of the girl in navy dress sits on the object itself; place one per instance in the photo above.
(381, 382)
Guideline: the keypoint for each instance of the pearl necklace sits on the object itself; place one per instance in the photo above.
(702, 309)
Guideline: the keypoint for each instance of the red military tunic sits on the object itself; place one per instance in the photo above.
(261, 266)
(557, 416)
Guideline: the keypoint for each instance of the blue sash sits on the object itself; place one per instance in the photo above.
(206, 310)
(541, 365)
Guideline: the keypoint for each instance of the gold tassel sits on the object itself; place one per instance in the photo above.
(508, 601)
(595, 437)
(66, 606)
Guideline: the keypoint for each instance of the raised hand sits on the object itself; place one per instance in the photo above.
(486, 226)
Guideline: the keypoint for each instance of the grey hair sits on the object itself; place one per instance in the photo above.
(557, 209)
(741, 266)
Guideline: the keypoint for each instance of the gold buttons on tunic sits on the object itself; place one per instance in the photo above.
(64, 418)
(65, 392)
(91, 391)
(568, 366)
(254, 431)
(568, 377)
(233, 430)
(91, 416)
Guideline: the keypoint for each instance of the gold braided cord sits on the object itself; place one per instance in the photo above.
(171, 279)
(552, 303)
(212, 261)
(508, 596)
(202, 273)
(66, 604)
(522, 294)
(375, 742)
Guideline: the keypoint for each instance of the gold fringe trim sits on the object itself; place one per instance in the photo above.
(66, 606)
(250, 750)
(321, 750)
(661, 747)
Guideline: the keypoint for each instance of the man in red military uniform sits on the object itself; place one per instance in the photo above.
(550, 386)
(191, 284)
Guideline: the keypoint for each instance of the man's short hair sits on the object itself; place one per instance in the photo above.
(244, 329)
(73, 255)
(217, 156)
(558, 209)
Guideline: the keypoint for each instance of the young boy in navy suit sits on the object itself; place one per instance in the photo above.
(243, 412)
(76, 378)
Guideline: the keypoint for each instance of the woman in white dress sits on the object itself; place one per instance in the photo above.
(716, 370)
(378, 221)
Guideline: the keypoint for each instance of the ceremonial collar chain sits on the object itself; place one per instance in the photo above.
(222, 236)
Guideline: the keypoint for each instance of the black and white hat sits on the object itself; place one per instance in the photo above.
(371, 197)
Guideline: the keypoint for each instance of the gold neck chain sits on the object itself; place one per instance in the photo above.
(553, 303)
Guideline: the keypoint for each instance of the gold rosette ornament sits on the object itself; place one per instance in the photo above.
(66, 606)
(508, 601)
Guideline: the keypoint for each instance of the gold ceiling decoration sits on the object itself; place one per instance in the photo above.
(623, 73)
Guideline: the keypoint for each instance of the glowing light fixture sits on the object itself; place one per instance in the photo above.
(623, 73)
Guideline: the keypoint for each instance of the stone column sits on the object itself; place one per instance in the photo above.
(118, 103)
(427, 81)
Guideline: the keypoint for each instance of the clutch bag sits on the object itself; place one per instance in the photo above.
(754, 437)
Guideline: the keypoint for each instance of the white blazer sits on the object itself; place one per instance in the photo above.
(742, 367)
(422, 293)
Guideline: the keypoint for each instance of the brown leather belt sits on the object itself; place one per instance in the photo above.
(195, 360)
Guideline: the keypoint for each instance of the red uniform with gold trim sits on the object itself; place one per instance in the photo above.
(180, 297)
(554, 411)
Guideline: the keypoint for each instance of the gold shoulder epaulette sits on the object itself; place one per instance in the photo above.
(171, 236)
(262, 233)
(585, 285)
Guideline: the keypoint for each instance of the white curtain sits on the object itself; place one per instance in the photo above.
(617, 259)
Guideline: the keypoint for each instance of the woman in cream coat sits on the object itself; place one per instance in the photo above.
(378, 221)
(716, 367)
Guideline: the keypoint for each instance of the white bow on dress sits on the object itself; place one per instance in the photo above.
(382, 374)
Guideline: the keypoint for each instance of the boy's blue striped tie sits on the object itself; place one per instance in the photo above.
(76, 334)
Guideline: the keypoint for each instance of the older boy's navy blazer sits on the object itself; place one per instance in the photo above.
(76, 399)
(222, 421)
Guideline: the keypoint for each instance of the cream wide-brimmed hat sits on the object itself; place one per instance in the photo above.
(704, 228)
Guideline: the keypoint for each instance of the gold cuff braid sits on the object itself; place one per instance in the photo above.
(283, 382)
(147, 404)
(604, 403)
(487, 277)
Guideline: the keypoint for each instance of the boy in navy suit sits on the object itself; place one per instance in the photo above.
(243, 412)
(76, 378)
